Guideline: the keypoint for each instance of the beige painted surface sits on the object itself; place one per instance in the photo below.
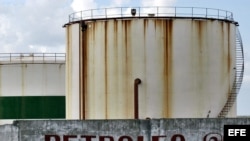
(72, 72)
(32, 79)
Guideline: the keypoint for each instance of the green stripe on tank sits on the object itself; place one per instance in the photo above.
(32, 107)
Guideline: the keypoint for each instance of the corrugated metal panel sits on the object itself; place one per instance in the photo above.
(186, 67)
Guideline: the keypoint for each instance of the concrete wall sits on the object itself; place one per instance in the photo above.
(119, 130)
(9, 133)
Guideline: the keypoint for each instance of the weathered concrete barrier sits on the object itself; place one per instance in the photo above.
(8, 133)
(119, 130)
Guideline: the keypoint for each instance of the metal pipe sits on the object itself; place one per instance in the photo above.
(136, 99)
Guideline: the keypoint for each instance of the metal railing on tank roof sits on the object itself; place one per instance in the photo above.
(123, 12)
(32, 58)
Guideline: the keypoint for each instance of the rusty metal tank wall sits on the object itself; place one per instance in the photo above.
(186, 66)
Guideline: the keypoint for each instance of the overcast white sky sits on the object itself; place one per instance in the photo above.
(36, 26)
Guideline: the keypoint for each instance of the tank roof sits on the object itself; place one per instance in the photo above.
(151, 12)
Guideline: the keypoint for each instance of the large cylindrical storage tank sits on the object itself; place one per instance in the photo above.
(186, 66)
(32, 86)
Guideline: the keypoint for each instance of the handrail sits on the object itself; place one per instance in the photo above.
(10, 58)
(156, 11)
(239, 72)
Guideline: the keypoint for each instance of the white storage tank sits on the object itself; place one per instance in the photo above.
(32, 86)
(150, 63)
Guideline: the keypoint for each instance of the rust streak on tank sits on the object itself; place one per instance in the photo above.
(153, 50)
(224, 49)
(229, 48)
(229, 55)
(106, 67)
(201, 39)
(114, 76)
(127, 28)
(85, 61)
(168, 66)
(124, 28)
(83, 71)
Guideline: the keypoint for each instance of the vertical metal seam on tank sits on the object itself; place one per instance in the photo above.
(82, 71)
(80, 77)
(68, 80)
(69, 99)
(116, 56)
(145, 30)
(229, 49)
(85, 66)
(229, 63)
(126, 57)
(200, 59)
(144, 67)
(168, 64)
(161, 25)
(170, 60)
(106, 68)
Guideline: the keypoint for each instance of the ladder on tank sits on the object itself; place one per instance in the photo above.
(239, 71)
